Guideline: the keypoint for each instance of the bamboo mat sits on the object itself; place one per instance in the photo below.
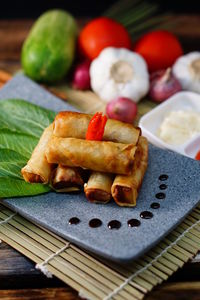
(92, 277)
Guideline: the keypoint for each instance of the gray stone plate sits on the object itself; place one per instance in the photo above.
(54, 210)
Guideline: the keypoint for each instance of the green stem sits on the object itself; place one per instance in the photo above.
(135, 18)
(119, 7)
(133, 12)
(151, 22)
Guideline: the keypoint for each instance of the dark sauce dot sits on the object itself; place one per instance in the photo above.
(160, 196)
(74, 221)
(133, 223)
(114, 224)
(146, 215)
(155, 205)
(163, 177)
(163, 186)
(94, 223)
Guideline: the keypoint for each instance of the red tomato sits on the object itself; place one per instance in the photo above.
(101, 33)
(159, 48)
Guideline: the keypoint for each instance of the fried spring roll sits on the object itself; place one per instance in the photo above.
(125, 188)
(37, 168)
(94, 155)
(98, 187)
(73, 124)
(66, 179)
(70, 124)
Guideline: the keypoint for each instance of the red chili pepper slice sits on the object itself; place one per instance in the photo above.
(197, 157)
(96, 127)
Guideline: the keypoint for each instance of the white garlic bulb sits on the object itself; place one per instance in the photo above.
(118, 72)
(187, 70)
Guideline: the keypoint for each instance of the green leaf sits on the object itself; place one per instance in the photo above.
(11, 187)
(21, 125)
(11, 163)
(19, 142)
(9, 156)
(12, 170)
(24, 117)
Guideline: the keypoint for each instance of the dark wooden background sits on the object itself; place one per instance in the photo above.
(18, 277)
(33, 8)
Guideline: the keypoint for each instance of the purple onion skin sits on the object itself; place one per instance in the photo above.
(81, 76)
(163, 85)
(122, 109)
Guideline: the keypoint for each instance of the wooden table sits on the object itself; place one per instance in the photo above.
(18, 277)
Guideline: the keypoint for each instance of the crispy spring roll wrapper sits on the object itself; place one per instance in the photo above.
(37, 168)
(66, 179)
(94, 155)
(73, 124)
(125, 188)
(98, 187)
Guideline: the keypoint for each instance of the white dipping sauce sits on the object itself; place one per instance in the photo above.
(179, 126)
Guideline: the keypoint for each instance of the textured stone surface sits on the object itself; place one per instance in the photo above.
(54, 210)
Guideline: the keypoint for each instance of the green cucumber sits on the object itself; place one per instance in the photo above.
(49, 49)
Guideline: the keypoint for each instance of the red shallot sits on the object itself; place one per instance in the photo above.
(81, 76)
(122, 109)
(163, 85)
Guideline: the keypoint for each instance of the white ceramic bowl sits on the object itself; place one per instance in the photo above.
(151, 122)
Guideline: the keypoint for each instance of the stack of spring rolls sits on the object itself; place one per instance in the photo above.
(113, 167)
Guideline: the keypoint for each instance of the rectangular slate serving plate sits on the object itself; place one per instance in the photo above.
(53, 211)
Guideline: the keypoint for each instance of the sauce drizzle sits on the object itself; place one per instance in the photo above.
(114, 224)
(155, 205)
(146, 214)
(160, 195)
(133, 223)
(163, 187)
(74, 221)
(94, 223)
(163, 177)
